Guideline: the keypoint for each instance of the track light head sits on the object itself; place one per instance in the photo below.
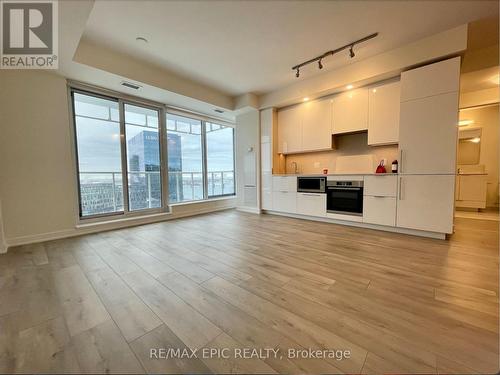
(320, 65)
(351, 51)
(298, 73)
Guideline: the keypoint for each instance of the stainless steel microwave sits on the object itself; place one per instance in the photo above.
(311, 184)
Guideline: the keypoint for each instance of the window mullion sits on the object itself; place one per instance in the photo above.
(204, 159)
(162, 131)
(123, 144)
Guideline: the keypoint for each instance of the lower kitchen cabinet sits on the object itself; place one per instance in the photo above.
(379, 210)
(285, 201)
(311, 204)
(426, 202)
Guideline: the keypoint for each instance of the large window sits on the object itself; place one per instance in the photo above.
(130, 153)
(99, 155)
(143, 157)
(220, 159)
(185, 159)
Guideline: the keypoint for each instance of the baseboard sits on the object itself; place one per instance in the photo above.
(99, 227)
(252, 210)
(412, 232)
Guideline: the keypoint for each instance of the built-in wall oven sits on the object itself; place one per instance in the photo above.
(311, 184)
(344, 197)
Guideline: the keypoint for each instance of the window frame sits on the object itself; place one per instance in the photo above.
(204, 130)
(204, 120)
(121, 100)
(163, 110)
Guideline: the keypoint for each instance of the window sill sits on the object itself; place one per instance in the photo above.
(203, 201)
(106, 221)
(113, 221)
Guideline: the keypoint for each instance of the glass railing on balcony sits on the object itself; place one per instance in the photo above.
(102, 192)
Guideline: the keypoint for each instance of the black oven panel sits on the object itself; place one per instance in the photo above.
(345, 197)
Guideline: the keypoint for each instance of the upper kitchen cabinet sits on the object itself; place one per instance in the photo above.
(290, 130)
(434, 79)
(350, 111)
(317, 125)
(383, 113)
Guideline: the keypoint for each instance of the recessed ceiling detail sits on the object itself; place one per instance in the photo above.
(239, 47)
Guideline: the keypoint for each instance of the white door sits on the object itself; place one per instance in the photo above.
(311, 204)
(350, 111)
(428, 135)
(426, 202)
(317, 125)
(289, 130)
(383, 113)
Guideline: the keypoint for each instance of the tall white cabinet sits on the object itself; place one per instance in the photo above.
(268, 132)
(427, 145)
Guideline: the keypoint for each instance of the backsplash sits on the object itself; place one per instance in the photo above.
(347, 145)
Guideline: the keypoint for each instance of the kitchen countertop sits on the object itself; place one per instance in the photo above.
(331, 174)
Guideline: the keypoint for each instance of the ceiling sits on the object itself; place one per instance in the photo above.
(479, 79)
(249, 46)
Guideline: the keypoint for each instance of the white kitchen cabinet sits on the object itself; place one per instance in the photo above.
(285, 183)
(285, 201)
(379, 210)
(290, 129)
(350, 111)
(381, 185)
(426, 202)
(471, 191)
(311, 204)
(383, 113)
(317, 125)
(428, 135)
(268, 120)
(429, 80)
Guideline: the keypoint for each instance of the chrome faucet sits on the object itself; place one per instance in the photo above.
(296, 167)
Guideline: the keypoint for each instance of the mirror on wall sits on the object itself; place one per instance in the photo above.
(469, 146)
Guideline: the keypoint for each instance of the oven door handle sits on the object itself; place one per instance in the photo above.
(344, 188)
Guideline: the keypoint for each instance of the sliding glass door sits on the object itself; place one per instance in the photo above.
(118, 148)
(97, 122)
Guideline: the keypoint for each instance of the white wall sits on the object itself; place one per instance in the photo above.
(36, 164)
(37, 167)
(247, 160)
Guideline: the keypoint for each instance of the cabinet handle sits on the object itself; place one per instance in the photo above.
(400, 160)
(400, 188)
(311, 194)
(378, 196)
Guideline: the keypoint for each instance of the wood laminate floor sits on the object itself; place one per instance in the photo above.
(395, 303)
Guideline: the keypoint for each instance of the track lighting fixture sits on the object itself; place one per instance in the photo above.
(319, 59)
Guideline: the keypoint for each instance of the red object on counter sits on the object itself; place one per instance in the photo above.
(325, 171)
(381, 168)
